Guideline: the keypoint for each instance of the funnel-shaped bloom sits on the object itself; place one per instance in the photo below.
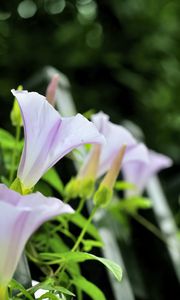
(48, 136)
(116, 137)
(138, 172)
(20, 216)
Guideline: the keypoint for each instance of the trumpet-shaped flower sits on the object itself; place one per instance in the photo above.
(20, 216)
(138, 172)
(48, 136)
(116, 137)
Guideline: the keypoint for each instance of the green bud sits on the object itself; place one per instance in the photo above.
(86, 188)
(72, 188)
(103, 196)
(79, 187)
(15, 114)
(18, 187)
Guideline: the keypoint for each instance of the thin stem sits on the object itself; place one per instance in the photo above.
(3, 293)
(14, 154)
(81, 205)
(151, 227)
(84, 229)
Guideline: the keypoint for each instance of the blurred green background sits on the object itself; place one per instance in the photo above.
(121, 56)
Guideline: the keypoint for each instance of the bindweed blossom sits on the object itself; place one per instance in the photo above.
(139, 172)
(101, 157)
(20, 216)
(48, 136)
(116, 137)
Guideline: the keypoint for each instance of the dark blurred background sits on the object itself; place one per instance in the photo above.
(121, 56)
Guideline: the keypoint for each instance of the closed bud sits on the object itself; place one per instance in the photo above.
(79, 187)
(86, 188)
(103, 196)
(72, 188)
(90, 168)
(111, 176)
(51, 89)
(15, 115)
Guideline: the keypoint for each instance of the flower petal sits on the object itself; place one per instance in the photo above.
(20, 216)
(138, 172)
(116, 136)
(48, 137)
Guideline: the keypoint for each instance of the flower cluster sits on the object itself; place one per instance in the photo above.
(48, 138)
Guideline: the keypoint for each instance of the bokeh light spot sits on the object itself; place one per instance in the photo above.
(4, 15)
(54, 6)
(27, 9)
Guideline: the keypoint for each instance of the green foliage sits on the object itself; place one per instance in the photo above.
(124, 52)
(53, 179)
(80, 221)
(14, 285)
(131, 205)
(123, 185)
(89, 288)
(7, 141)
(69, 257)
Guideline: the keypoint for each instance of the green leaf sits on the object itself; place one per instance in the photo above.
(57, 245)
(55, 288)
(80, 221)
(54, 180)
(43, 188)
(89, 244)
(132, 204)
(49, 295)
(88, 287)
(7, 141)
(87, 114)
(124, 185)
(81, 257)
(14, 285)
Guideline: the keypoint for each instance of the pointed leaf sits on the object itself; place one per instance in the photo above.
(81, 257)
(54, 180)
(89, 288)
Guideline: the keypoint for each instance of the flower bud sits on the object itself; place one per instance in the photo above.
(51, 89)
(15, 114)
(90, 168)
(72, 188)
(86, 188)
(87, 175)
(105, 191)
(111, 176)
(103, 196)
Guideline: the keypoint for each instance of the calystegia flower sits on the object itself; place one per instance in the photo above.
(116, 137)
(20, 216)
(139, 172)
(48, 136)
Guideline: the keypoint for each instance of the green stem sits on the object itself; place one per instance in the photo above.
(84, 229)
(13, 163)
(148, 225)
(81, 205)
(3, 293)
(63, 268)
